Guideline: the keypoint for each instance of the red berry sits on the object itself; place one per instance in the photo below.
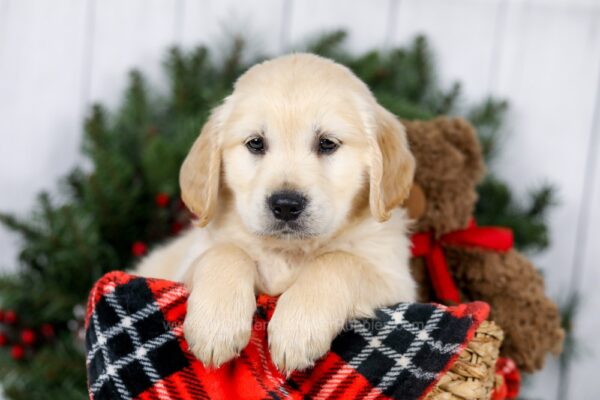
(162, 200)
(10, 317)
(1, 315)
(17, 352)
(28, 337)
(139, 249)
(3, 340)
(47, 330)
(176, 227)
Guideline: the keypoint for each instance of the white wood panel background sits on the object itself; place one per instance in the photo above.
(542, 55)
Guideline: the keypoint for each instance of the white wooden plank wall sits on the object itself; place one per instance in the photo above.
(542, 55)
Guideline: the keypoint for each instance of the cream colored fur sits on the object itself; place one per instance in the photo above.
(351, 255)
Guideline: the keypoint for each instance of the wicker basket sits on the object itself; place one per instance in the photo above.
(473, 375)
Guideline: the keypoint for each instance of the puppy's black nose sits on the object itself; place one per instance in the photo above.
(286, 205)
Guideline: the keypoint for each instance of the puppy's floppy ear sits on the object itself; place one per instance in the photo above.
(392, 165)
(200, 174)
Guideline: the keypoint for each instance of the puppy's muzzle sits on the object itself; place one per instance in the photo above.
(286, 205)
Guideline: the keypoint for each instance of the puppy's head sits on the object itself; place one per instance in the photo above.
(299, 143)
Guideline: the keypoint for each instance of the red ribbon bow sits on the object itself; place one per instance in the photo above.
(425, 245)
(511, 380)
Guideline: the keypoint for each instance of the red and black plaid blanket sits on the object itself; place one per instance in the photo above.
(136, 350)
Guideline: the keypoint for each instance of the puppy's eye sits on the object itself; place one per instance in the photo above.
(256, 145)
(327, 146)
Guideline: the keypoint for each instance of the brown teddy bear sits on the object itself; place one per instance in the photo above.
(458, 261)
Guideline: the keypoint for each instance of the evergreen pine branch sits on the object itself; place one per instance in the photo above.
(26, 229)
(541, 200)
(488, 117)
(328, 44)
(496, 206)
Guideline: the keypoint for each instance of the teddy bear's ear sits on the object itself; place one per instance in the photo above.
(463, 137)
(416, 203)
(392, 165)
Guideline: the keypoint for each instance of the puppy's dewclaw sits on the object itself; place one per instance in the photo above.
(296, 179)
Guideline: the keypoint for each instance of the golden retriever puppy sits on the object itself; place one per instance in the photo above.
(295, 180)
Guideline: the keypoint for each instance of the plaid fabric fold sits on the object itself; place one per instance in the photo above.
(136, 350)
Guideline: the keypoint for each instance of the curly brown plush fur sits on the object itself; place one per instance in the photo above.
(449, 166)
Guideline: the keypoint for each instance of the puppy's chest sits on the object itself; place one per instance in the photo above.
(277, 271)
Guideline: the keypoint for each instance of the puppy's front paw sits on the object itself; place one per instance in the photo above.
(298, 337)
(217, 331)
